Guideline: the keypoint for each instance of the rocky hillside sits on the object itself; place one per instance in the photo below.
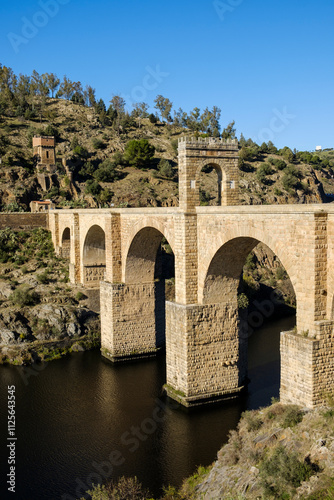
(86, 143)
(42, 316)
(277, 452)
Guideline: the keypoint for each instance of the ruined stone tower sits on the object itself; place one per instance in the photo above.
(45, 157)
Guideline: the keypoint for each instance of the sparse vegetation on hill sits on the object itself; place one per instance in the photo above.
(117, 158)
(42, 316)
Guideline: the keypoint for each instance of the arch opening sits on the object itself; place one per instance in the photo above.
(210, 182)
(245, 274)
(150, 260)
(66, 244)
(94, 257)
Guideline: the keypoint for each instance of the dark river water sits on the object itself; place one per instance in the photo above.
(81, 419)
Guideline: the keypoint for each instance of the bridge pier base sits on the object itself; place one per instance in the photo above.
(206, 361)
(132, 320)
(307, 366)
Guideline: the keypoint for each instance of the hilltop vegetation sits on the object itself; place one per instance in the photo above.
(120, 158)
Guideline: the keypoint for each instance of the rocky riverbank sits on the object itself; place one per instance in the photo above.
(42, 316)
(279, 452)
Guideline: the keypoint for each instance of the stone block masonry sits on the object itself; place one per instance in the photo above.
(204, 361)
(130, 327)
(23, 221)
(206, 347)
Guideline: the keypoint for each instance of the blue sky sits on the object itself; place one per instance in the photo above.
(267, 64)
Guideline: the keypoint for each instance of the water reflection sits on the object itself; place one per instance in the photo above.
(79, 411)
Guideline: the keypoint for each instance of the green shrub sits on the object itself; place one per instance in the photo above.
(106, 172)
(105, 196)
(93, 188)
(243, 301)
(118, 158)
(87, 169)
(81, 151)
(283, 472)
(280, 164)
(43, 277)
(281, 273)
(263, 171)
(293, 415)
(23, 296)
(98, 143)
(165, 168)
(175, 145)
(252, 420)
(80, 296)
(125, 488)
(139, 153)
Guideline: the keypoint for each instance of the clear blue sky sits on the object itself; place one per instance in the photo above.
(267, 64)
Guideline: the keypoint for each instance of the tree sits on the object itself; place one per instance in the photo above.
(287, 154)
(139, 153)
(100, 106)
(229, 131)
(215, 125)
(66, 88)
(242, 140)
(53, 82)
(165, 168)
(194, 120)
(92, 187)
(118, 104)
(164, 105)
(210, 121)
(106, 172)
(271, 148)
(140, 111)
(181, 118)
(90, 95)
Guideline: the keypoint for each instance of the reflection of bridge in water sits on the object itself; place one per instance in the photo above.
(206, 350)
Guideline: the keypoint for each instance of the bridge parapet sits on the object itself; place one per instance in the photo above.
(204, 142)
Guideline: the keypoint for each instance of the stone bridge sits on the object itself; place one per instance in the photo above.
(204, 333)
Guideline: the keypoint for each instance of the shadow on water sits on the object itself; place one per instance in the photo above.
(80, 420)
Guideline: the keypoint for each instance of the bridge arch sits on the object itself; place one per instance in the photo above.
(141, 257)
(146, 228)
(234, 245)
(66, 243)
(94, 256)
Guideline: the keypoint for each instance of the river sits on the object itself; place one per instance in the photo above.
(80, 418)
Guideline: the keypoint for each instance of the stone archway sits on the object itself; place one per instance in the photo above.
(145, 268)
(94, 257)
(216, 174)
(220, 294)
(65, 250)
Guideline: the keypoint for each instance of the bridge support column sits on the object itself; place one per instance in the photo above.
(74, 267)
(132, 320)
(206, 360)
(307, 366)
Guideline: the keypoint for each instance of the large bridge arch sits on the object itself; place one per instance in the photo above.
(136, 248)
(231, 247)
(94, 256)
(65, 248)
